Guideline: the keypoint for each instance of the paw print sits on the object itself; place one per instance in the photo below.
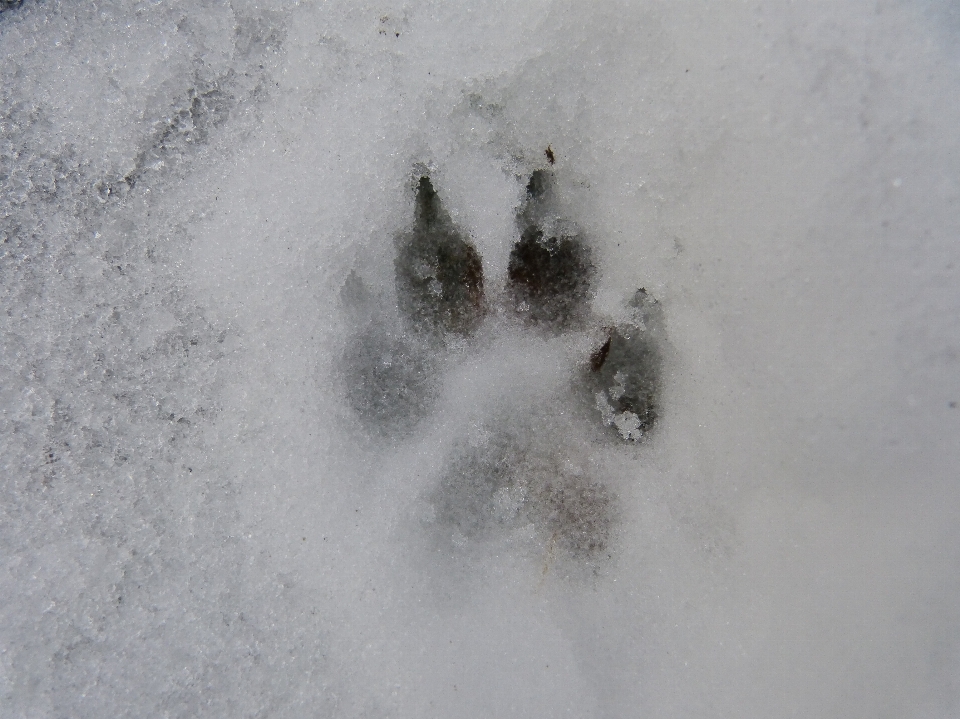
(532, 412)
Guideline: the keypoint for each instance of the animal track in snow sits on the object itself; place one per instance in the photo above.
(523, 469)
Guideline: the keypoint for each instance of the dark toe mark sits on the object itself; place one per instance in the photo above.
(625, 372)
(439, 273)
(550, 269)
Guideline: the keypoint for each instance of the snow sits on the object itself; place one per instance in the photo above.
(242, 477)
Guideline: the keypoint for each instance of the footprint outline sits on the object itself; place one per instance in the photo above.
(395, 368)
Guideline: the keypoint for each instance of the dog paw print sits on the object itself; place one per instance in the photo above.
(522, 473)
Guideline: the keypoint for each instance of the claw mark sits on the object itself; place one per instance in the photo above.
(600, 356)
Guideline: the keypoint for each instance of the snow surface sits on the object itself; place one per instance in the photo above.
(199, 520)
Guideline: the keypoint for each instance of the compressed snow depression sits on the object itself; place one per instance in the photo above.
(261, 458)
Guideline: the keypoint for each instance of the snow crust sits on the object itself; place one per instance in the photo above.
(201, 210)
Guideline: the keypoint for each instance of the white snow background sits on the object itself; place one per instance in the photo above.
(195, 525)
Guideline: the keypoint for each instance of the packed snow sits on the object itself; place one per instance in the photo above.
(479, 359)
